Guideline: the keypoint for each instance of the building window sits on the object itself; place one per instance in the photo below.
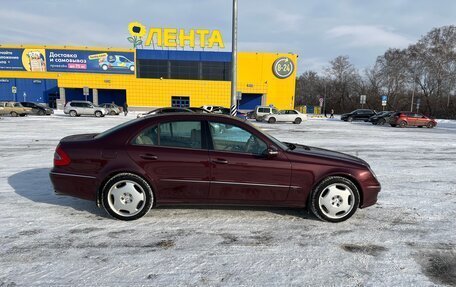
(154, 69)
(180, 102)
(216, 71)
(184, 70)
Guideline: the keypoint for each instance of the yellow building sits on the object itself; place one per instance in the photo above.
(145, 78)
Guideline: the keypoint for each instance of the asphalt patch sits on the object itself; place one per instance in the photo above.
(369, 249)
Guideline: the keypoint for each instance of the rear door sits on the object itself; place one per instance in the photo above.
(240, 172)
(176, 158)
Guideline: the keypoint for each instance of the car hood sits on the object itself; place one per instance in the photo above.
(315, 151)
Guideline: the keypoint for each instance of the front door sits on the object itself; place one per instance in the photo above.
(240, 172)
(175, 158)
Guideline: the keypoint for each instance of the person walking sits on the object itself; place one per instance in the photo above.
(125, 108)
(332, 114)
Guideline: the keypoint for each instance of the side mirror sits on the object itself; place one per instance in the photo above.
(270, 153)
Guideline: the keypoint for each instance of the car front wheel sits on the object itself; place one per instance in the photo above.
(271, 120)
(350, 119)
(430, 125)
(14, 114)
(98, 114)
(335, 199)
(73, 113)
(127, 196)
(403, 124)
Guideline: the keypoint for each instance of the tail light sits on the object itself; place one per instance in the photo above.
(60, 157)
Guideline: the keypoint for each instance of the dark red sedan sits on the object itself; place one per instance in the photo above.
(190, 158)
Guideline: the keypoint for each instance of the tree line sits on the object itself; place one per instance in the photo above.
(423, 73)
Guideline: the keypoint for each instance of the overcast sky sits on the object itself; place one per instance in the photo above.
(317, 30)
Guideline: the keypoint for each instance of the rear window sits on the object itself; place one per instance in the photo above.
(263, 110)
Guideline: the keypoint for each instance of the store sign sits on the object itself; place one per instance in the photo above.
(283, 67)
(32, 60)
(90, 61)
(173, 37)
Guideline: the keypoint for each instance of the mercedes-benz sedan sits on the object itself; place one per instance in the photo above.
(192, 158)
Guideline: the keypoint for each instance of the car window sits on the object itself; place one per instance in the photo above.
(293, 112)
(17, 105)
(263, 110)
(226, 137)
(185, 134)
(148, 136)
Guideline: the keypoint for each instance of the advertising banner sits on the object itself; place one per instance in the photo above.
(33, 60)
(109, 62)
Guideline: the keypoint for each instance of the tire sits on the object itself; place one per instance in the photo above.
(393, 125)
(73, 113)
(14, 114)
(381, 122)
(124, 189)
(98, 114)
(41, 113)
(272, 120)
(297, 121)
(402, 124)
(335, 199)
(112, 113)
(430, 125)
(350, 119)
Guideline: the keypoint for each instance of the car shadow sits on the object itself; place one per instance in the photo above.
(35, 185)
(281, 211)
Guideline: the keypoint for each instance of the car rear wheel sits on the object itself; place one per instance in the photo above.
(335, 199)
(297, 121)
(112, 113)
(272, 120)
(430, 125)
(98, 114)
(41, 113)
(127, 196)
(14, 114)
(381, 122)
(403, 124)
(350, 119)
(73, 113)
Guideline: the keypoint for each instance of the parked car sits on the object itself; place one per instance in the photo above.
(380, 118)
(14, 109)
(358, 115)
(164, 111)
(408, 119)
(226, 111)
(38, 109)
(199, 110)
(211, 108)
(250, 114)
(285, 116)
(78, 108)
(179, 159)
(261, 111)
(112, 109)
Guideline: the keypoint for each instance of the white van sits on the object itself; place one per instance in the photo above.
(261, 111)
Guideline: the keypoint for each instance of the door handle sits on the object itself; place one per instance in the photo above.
(220, 161)
(148, 156)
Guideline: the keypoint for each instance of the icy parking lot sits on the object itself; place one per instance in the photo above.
(408, 238)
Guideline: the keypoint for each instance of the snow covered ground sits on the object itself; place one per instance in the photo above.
(408, 238)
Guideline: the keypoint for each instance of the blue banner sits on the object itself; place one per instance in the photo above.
(11, 59)
(109, 62)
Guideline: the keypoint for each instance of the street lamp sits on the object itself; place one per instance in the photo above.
(233, 107)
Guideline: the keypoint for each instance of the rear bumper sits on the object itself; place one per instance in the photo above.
(81, 186)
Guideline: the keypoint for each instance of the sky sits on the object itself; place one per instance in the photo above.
(316, 30)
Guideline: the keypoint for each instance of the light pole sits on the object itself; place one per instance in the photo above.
(233, 108)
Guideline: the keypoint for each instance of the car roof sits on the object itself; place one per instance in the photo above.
(189, 116)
